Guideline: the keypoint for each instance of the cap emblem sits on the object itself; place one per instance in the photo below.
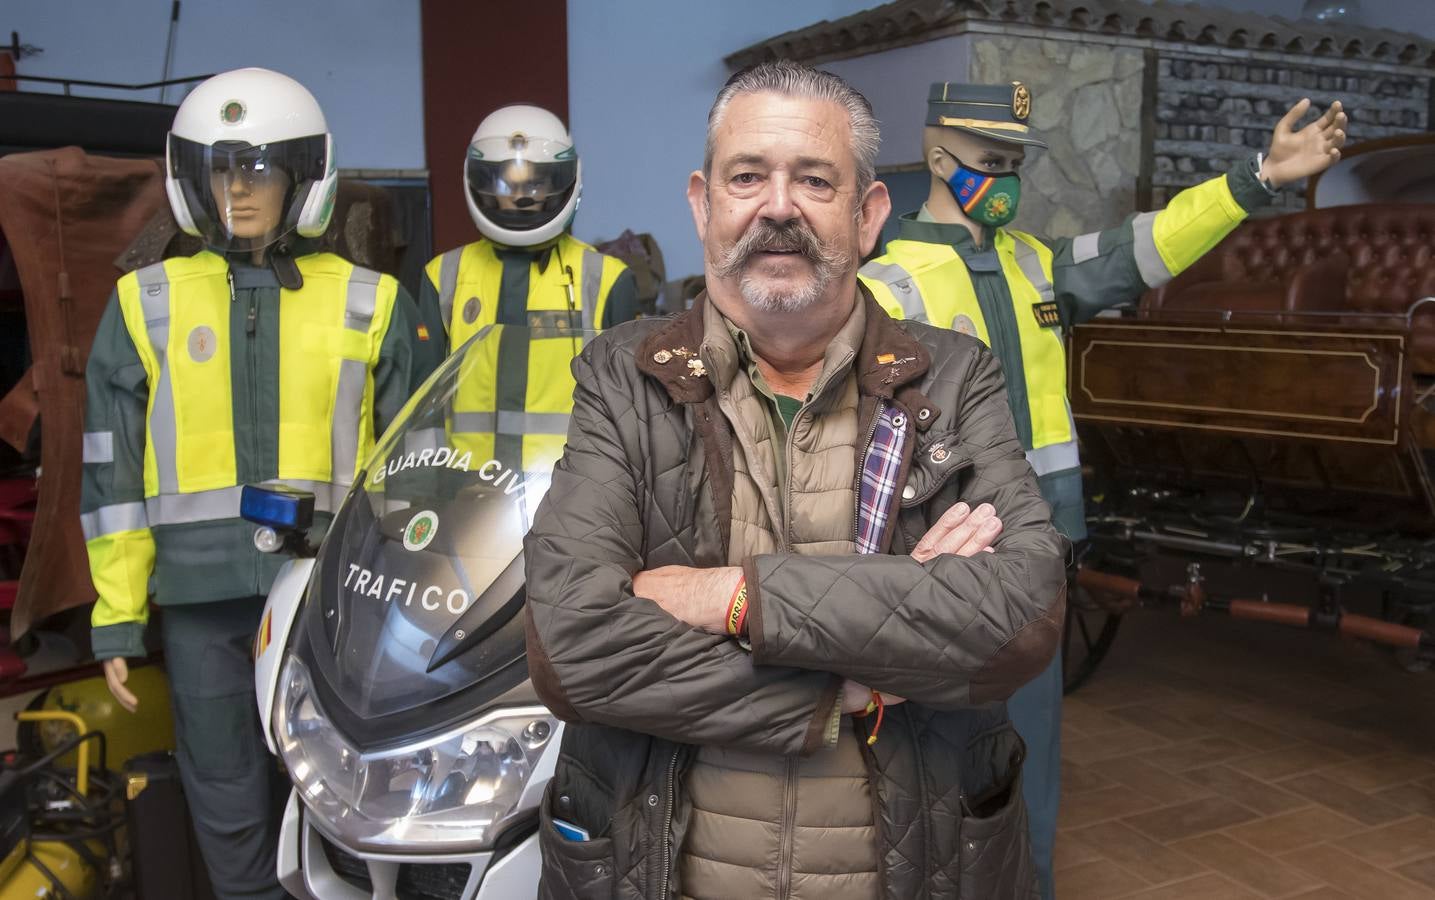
(232, 113)
(1020, 100)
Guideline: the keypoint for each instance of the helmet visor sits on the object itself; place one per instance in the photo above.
(521, 183)
(246, 197)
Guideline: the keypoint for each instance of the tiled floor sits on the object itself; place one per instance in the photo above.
(1228, 760)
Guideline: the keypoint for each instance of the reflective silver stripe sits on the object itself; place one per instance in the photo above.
(510, 422)
(359, 306)
(163, 439)
(327, 497)
(903, 287)
(1148, 259)
(1054, 458)
(424, 439)
(1029, 261)
(113, 519)
(98, 447)
(200, 506)
(448, 284)
(592, 281)
(348, 404)
(362, 299)
(223, 503)
(1086, 247)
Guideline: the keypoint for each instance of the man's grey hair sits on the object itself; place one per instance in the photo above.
(792, 79)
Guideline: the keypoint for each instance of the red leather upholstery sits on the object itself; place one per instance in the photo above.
(1370, 263)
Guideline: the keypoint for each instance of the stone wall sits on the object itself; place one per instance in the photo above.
(1086, 103)
(1213, 112)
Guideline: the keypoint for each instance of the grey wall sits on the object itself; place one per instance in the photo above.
(1415, 16)
(360, 58)
(642, 74)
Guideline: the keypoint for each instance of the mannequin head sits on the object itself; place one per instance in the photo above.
(944, 149)
(250, 198)
(249, 160)
(974, 144)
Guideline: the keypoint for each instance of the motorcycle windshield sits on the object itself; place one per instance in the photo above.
(413, 618)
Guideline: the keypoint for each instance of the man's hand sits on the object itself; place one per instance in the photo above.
(117, 672)
(961, 531)
(855, 697)
(699, 597)
(1297, 154)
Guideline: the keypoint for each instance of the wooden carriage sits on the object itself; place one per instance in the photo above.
(1259, 436)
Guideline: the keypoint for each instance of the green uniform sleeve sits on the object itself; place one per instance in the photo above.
(112, 510)
(622, 301)
(1109, 268)
(430, 315)
(404, 362)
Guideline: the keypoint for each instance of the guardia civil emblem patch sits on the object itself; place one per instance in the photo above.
(232, 113)
(202, 344)
(420, 531)
(998, 205)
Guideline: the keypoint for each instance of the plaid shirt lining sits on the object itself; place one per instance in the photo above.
(879, 478)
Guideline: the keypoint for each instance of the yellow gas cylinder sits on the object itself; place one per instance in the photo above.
(127, 734)
(36, 868)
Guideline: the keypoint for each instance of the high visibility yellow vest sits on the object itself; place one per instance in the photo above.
(518, 389)
(178, 314)
(930, 283)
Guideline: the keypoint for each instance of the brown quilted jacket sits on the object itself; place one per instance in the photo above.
(646, 481)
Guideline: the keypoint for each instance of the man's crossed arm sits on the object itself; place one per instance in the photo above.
(945, 630)
(702, 597)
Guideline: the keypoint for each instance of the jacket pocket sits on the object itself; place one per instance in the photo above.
(934, 462)
(994, 849)
(572, 870)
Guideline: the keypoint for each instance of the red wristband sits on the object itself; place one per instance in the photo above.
(737, 610)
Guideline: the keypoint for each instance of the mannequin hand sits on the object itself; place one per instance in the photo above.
(117, 672)
(1297, 154)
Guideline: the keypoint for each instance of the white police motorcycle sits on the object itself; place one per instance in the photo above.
(390, 668)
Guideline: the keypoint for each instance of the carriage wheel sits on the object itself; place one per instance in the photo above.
(1086, 637)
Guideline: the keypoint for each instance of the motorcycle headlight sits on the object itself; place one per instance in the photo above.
(456, 788)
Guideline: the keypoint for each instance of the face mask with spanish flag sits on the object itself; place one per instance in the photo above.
(986, 199)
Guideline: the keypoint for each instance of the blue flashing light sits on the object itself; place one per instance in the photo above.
(277, 506)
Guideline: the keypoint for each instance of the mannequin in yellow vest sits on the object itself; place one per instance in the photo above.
(957, 265)
(523, 181)
(256, 359)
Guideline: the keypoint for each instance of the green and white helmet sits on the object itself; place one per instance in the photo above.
(240, 135)
(522, 178)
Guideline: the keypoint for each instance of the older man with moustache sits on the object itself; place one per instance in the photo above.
(769, 588)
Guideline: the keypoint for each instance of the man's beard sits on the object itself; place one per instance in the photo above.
(828, 262)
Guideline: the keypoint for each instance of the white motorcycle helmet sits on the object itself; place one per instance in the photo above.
(522, 178)
(250, 160)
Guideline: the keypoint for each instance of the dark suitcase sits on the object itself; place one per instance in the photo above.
(164, 854)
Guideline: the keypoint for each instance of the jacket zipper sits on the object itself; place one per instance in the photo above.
(997, 330)
(786, 498)
(787, 534)
(789, 831)
(251, 330)
(862, 467)
(668, 810)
